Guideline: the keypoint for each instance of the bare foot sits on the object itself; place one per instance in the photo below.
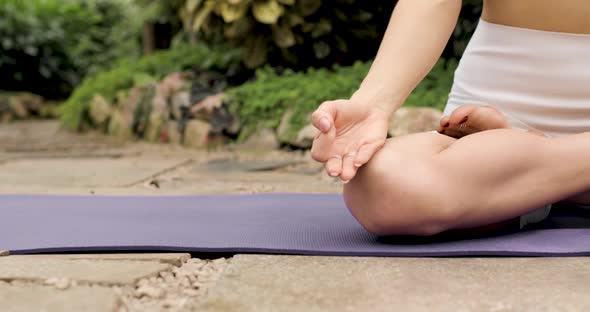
(469, 119)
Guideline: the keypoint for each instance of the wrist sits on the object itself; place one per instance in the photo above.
(377, 99)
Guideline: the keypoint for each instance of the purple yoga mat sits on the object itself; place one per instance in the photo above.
(307, 224)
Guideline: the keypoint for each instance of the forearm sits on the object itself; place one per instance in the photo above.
(415, 38)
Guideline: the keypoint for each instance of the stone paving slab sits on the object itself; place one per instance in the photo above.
(91, 172)
(120, 272)
(176, 259)
(28, 298)
(294, 283)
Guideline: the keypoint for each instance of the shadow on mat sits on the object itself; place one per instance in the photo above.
(562, 216)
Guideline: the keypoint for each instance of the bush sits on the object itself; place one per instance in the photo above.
(307, 33)
(292, 33)
(47, 46)
(263, 102)
(128, 73)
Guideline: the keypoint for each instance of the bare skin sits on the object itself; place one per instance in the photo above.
(427, 183)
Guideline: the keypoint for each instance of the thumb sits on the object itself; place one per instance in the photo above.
(323, 118)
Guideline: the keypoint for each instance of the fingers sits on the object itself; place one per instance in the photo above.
(365, 153)
(334, 166)
(323, 117)
(348, 168)
(322, 146)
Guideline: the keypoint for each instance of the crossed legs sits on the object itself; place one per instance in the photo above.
(427, 183)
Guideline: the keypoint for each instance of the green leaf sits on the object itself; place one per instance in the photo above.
(256, 52)
(267, 11)
(283, 36)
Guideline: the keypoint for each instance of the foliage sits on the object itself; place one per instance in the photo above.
(47, 46)
(262, 103)
(295, 33)
(128, 73)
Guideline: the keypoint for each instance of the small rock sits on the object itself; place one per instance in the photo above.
(150, 291)
(179, 102)
(18, 108)
(196, 260)
(262, 139)
(305, 137)
(284, 125)
(184, 281)
(409, 120)
(172, 83)
(172, 133)
(62, 284)
(59, 283)
(155, 131)
(48, 110)
(119, 126)
(129, 103)
(168, 277)
(100, 110)
(196, 133)
(4, 253)
(204, 109)
(190, 292)
(24, 104)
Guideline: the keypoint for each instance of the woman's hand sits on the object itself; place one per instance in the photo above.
(350, 134)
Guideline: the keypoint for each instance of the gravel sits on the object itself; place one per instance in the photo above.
(178, 290)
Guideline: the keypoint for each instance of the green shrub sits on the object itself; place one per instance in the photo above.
(47, 46)
(128, 73)
(292, 33)
(306, 33)
(262, 103)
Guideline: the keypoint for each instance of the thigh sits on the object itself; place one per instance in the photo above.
(421, 145)
(400, 184)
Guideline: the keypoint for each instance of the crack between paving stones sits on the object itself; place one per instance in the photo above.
(41, 281)
(159, 173)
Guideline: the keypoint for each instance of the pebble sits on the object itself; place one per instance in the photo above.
(190, 292)
(185, 282)
(150, 291)
(59, 283)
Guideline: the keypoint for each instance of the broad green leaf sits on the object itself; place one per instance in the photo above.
(191, 5)
(308, 7)
(203, 14)
(268, 11)
(239, 28)
(256, 51)
(283, 36)
(233, 12)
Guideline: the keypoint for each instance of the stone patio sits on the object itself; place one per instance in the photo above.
(39, 158)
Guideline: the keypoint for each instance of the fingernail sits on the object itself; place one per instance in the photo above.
(324, 124)
(357, 165)
(333, 174)
(346, 182)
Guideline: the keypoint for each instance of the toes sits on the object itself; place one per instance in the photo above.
(461, 114)
(444, 122)
(469, 119)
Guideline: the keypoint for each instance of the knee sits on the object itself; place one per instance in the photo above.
(393, 195)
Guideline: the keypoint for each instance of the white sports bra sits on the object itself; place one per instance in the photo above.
(539, 79)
